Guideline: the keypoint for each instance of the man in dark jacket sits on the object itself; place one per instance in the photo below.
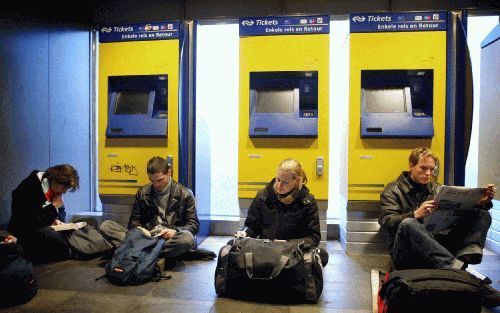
(408, 200)
(163, 208)
(37, 204)
(285, 210)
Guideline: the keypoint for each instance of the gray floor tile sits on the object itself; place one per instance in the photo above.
(156, 305)
(234, 306)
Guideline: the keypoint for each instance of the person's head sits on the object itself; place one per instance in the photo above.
(422, 162)
(62, 178)
(159, 173)
(289, 175)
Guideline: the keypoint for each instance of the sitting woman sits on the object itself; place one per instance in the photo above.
(285, 210)
(37, 204)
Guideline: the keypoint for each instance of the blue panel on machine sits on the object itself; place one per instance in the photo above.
(137, 106)
(397, 103)
(284, 104)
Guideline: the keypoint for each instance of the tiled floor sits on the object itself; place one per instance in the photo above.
(70, 286)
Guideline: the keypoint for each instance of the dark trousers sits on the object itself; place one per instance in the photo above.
(46, 245)
(415, 247)
(179, 244)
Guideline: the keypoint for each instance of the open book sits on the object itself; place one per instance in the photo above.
(69, 226)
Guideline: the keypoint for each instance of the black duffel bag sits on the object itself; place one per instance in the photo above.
(431, 290)
(266, 269)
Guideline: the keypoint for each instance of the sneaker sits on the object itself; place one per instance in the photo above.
(491, 296)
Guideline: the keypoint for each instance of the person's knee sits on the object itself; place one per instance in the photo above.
(51, 245)
(109, 225)
(408, 225)
(485, 216)
(113, 232)
(185, 239)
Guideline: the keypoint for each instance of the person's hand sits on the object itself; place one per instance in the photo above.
(57, 222)
(144, 230)
(489, 192)
(240, 233)
(10, 239)
(57, 200)
(167, 233)
(425, 209)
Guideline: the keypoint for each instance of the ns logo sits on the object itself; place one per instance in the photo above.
(106, 29)
(247, 23)
(358, 18)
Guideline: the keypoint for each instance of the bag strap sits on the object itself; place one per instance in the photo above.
(276, 270)
(311, 258)
(222, 271)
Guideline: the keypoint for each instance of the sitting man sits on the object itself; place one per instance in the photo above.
(408, 200)
(163, 208)
(37, 203)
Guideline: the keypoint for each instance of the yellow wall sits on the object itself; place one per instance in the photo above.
(135, 58)
(376, 162)
(258, 158)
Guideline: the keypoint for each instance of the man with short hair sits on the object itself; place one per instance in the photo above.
(167, 209)
(408, 200)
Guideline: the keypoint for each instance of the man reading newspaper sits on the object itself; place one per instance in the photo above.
(435, 226)
(417, 241)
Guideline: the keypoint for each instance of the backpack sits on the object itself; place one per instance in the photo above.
(18, 283)
(431, 291)
(256, 268)
(134, 262)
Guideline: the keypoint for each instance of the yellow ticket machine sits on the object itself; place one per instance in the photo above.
(397, 96)
(138, 103)
(397, 103)
(284, 81)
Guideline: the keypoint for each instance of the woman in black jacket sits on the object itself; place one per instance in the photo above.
(37, 204)
(285, 210)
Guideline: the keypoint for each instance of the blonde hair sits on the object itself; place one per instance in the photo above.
(293, 167)
(418, 154)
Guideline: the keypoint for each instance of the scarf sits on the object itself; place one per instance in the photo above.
(49, 194)
(288, 197)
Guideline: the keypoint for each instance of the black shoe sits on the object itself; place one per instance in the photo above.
(491, 296)
(472, 258)
(169, 263)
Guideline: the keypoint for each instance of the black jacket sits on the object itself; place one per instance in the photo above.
(27, 211)
(271, 219)
(181, 207)
(399, 200)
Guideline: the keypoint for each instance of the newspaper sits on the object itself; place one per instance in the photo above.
(452, 203)
(69, 226)
(458, 198)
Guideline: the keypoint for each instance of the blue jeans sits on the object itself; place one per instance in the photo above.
(415, 247)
